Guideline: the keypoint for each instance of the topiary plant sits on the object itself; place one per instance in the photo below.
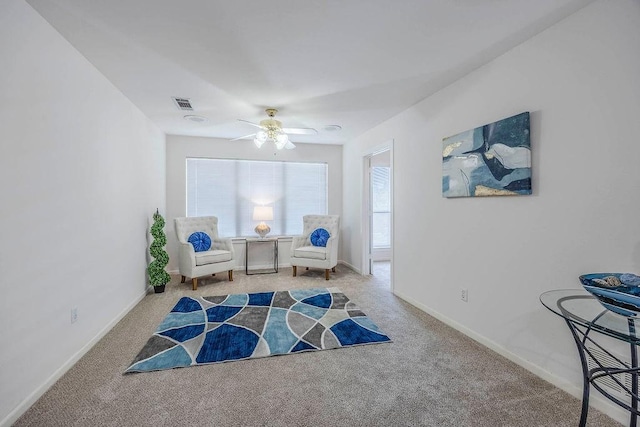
(157, 274)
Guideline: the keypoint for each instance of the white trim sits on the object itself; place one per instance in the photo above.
(393, 209)
(23, 406)
(280, 265)
(241, 268)
(263, 267)
(352, 267)
(365, 222)
(596, 400)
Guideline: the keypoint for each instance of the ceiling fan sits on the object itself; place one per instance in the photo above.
(272, 130)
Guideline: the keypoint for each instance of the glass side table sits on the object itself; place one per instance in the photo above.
(249, 241)
(586, 318)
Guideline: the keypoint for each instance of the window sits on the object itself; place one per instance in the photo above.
(229, 189)
(381, 203)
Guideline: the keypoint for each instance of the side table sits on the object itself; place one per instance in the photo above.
(249, 241)
(587, 319)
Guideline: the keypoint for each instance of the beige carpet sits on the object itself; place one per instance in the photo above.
(430, 375)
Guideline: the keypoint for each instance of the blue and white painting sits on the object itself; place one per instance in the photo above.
(490, 160)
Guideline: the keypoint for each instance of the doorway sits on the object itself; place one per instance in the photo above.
(378, 214)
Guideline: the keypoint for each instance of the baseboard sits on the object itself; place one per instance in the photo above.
(598, 402)
(352, 267)
(13, 416)
(241, 268)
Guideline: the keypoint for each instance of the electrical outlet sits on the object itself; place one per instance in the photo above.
(464, 294)
(74, 314)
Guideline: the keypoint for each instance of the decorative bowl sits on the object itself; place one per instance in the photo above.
(618, 292)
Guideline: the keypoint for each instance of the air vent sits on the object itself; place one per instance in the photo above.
(183, 103)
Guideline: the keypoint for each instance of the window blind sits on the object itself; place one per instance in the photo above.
(229, 190)
(381, 204)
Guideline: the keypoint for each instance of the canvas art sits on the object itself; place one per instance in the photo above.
(490, 160)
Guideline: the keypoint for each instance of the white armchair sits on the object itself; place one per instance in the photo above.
(220, 257)
(305, 254)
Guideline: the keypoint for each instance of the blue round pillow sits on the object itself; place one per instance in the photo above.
(319, 237)
(201, 241)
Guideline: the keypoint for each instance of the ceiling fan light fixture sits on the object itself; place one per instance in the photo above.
(261, 138)
(271, 130)
(281, 140)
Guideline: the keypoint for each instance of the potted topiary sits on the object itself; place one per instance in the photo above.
(158, 277)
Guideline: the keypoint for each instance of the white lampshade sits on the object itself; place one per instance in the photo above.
(263, 213)
(281, 141)
(260, 138)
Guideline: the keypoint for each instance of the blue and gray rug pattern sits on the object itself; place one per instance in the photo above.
(204, 330)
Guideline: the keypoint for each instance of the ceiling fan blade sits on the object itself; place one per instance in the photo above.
(243, 137)
(300, 131)
(289, 145)
(251, 123)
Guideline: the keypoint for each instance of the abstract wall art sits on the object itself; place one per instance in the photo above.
(490, 160)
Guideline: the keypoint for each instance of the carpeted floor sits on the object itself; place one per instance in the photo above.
(430, 375)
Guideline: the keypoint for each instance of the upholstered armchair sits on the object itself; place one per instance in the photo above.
(316, 248)
(217, 257)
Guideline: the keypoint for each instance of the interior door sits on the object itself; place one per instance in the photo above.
(377, 213)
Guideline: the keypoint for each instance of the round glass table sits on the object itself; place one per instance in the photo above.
(586, 318)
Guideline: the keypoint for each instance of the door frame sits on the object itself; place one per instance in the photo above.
(366, 208)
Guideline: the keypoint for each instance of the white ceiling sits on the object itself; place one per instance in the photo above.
(353, 63)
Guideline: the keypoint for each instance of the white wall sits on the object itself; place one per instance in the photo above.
(81, 172)
(181, 147)
(579, 80)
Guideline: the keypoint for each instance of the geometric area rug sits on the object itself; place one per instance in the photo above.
(205, 330)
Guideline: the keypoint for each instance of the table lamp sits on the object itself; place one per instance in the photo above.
(262, 214)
